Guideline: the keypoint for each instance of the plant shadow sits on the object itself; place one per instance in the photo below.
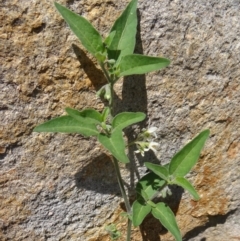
(89, 177)
(94, 74)
(134, 93)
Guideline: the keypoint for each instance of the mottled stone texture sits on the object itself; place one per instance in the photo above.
(63, 187)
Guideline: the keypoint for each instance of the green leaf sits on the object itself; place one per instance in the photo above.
(115, 144)
(126, 28)
(125, 119)
(105, 114)
(87, 34)
(141, 64)
(151, 203)
(67, 124)
(165, 215)
(105, 92)
(157, 169)
(187, 157)
(86, 116)
(113, 231)
(149, 185)
(166, 166)
(140, 210)
(113, 54)
(184, 183)
(109, 38)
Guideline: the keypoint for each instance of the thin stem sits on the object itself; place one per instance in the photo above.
(115, 162)
(120, 183)
(129, 228)
(110, 82)
(105, 72)
(124, 195)
(111, 101)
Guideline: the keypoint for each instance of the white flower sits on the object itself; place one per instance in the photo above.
(146, 146)
(153, 145)
(152, 131)
(144, 141)
(148, 135)
(140, 151)
(141, 147)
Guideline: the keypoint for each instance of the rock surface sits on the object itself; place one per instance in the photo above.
(63, 187)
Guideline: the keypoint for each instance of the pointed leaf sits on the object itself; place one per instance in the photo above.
(125, 119)
(140, 210)
(184, 183)
(126, 28)
(157, 169)
(166, 166)
(109, 38)
(141, 64)
(105, 114)
(149, 185)
(186, 158)
(87, 115)
(115, 144)
(165, 215)
(92, 114)
(67, 124)
(87, 34)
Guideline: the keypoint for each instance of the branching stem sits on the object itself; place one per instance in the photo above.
(115, 161)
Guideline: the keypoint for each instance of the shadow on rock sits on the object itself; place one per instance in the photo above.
(99, 176)
(134, 93)
(213, 221)
(95, 75)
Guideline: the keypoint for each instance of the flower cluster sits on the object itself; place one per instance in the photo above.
(145, 140)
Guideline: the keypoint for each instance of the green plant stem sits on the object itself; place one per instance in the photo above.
(120, 182)
(124, 195)
(110, 82)
(105, 72)
(115, 162)
(111, 101)
(129, 228)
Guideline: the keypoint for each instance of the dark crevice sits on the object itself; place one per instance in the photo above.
(2, 155)
(3, 107)
(39, 29)
(70, 2)
(35, 92)
(17, 22)
(4, 151)
(25, 11)
(220, 121)
(43, 70)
